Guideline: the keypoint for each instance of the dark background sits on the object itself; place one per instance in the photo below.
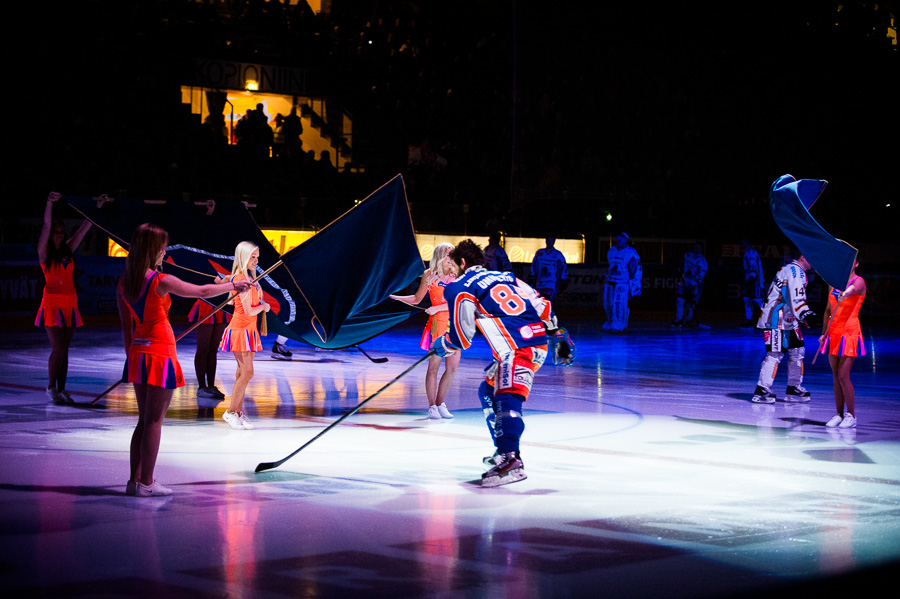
(674, 118)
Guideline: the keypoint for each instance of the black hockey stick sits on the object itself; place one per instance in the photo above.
(105, 393)
(269, 465)
(375, 360)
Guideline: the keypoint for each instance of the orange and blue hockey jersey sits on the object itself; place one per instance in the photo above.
(509, 313)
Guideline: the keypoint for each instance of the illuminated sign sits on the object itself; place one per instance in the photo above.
(519, 249)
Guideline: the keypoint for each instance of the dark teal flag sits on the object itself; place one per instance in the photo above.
(348, 270)
(332, 291)
(790, 200)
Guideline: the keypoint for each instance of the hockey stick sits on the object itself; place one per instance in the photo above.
(194, 326)
(827, 332)
(105, 393)
(375, 360)
(269, 465)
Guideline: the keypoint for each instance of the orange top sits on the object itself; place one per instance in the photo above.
(153, 333)
(436, 292)
(844, 314)
(240, 319)
(60, 278)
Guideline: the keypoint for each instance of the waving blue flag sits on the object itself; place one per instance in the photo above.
(790, 200)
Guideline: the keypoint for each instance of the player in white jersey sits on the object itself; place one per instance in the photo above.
(690, 286)
(753, 283)
(782, 314)
(515, 321)
(549, 270)
(623, 280)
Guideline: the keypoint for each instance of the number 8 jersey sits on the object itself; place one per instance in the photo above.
(508, 312)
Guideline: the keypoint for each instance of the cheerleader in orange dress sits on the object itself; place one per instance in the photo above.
(58, 313)
(433, 282)
(152, 365)
(208, 333)
(842, 340)
(241, 336)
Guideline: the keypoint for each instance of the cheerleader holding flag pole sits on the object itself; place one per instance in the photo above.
(227, 285)
(143, 299)
(835, 261)
(242, 337)
(842, 341)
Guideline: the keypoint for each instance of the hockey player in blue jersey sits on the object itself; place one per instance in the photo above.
(515, 321)
(495, 257)
(690, 286)
(549, 270)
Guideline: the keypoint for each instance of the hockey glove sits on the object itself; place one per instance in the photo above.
(442, 347)
(809, 319)
(560, 347)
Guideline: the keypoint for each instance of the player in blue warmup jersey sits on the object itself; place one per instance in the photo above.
(516, 322)
(549, 270)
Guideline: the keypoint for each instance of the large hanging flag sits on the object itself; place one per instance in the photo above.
(790, 200)
(353, 265)
(331, 291)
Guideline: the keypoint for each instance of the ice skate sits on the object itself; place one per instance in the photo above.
(491, 460)
(763, 395)
(796, 395)
(280, 352)
(509, 469)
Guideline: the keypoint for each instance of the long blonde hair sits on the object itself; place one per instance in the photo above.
(242, 254)
(146, 242)
(441, 251)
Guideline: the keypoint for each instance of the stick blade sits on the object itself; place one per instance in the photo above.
(263, 466)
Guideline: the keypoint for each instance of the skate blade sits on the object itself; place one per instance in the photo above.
(282, 358)
(514, 476)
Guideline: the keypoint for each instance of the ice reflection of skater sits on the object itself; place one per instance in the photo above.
(434, 280)
(59, 303)
(842, 340)
(152, 365)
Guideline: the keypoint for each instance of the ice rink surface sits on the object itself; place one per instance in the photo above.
(650, 474)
